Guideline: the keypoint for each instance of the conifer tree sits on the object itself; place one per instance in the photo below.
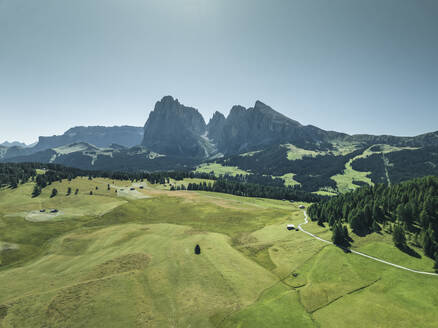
(54, 193)
(338, 237)
(36, 191)
(375, 226)
(398, 236)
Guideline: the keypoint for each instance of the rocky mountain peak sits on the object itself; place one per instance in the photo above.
(215, 126)
(217, 116)
(237, 111)
(8, 144)
(174, 129)
(259, 104)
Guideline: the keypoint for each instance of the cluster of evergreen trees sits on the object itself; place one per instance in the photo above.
(253, 190)
(408, 210)
(164, 177)
(405, 164)
(238, 185)
(11, 175)
(312, 172)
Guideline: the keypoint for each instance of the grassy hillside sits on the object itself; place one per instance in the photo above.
(127, 259)
(345, 167)
(219, 169)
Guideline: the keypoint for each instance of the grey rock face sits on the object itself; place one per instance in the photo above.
(215, 126)
(174, 129)
(248, 129)
(8, 144)
(99, 136)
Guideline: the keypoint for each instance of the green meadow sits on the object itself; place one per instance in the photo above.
(345, 180)
(219, 169)
(126, 259)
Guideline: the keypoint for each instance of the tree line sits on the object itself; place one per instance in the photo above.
(11, 175)
(251, 190)
(238, 185)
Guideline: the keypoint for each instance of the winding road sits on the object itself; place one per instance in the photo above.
(361, 254)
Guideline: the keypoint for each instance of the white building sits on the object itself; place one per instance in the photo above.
(290, 227)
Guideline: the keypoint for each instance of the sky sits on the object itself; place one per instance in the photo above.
(368, 66)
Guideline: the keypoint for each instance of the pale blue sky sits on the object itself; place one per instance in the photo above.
(368, 66)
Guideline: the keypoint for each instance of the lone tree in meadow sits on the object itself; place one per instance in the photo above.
(76, 191)
(91, 192)
(197, 250)
(54, 192)
(36, 191)
(68, 191)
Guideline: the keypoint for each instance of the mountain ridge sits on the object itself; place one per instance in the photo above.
(258, 141)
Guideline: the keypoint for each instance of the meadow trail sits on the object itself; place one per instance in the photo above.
(362, 254)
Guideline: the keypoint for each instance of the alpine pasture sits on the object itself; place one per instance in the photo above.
(125, 258)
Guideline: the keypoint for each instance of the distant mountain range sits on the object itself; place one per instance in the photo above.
(8, 144)
(259, 141)
(98, 136)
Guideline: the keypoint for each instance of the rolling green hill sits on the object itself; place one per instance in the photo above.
(127, 259)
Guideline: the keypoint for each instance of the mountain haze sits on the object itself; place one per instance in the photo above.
(99, 136)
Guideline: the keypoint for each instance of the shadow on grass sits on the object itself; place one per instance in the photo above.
(410, 251)
(345, 247)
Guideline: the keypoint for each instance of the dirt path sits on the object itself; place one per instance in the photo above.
(362, 254)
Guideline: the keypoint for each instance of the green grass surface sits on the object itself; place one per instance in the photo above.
(133, 264)
(325, 193)
(339, 148)
(289, 179)
(219, 169)
(251, 153)
(295, 153)
(345, 180)
(184, 182)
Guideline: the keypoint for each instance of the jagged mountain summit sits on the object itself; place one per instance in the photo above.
(258, 141)
(260, 126)
(174, 129)
(8, 144)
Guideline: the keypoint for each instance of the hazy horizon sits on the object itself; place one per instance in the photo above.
(350, 66)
